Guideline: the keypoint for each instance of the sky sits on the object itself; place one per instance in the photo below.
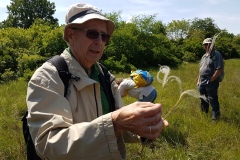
(225, 13)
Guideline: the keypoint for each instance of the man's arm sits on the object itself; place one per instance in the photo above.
(216, 74)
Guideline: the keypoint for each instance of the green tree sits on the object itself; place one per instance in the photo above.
(143, 42)
(178, 29)
(148, 23)
(47, 39)
(22, 13)
(13, 42)
(236, 43)
(123, 41)
(207, 26)
(192, 46)
(225, 44)
(116, 18)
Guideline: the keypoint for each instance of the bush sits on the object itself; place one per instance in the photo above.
(190, 57)
(8, 75)
(117, 66)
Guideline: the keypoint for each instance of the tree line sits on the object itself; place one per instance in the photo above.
(30, 35)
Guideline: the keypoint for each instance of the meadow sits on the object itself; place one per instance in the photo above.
(191, 135)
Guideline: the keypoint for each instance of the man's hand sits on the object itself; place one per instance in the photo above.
(141, 118)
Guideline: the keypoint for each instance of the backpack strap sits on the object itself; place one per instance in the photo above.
(106, 85)
(213, 56)
(62, 67)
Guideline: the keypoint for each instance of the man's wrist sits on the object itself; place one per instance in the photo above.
(116, 125)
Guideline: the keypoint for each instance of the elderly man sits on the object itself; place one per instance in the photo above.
(82, 125)
(211, 67)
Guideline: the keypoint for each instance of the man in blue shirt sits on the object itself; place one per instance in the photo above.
(211, 67)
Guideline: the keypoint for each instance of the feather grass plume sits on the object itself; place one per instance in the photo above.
(165, 70)
(213, 41)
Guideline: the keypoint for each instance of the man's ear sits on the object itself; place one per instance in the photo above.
(69, 33)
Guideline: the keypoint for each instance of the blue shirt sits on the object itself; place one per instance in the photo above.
(208, 65)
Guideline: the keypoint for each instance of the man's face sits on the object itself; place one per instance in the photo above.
(207, 46)
(87, 50)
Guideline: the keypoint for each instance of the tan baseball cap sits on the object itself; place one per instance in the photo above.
(207, 41)
(80, 13)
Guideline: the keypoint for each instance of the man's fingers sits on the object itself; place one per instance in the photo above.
(151, 109)
(165, 122)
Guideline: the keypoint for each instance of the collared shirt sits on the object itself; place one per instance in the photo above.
(208, 65)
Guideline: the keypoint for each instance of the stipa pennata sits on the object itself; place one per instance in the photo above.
(165, 70)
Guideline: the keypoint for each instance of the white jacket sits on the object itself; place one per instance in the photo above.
(69, 128)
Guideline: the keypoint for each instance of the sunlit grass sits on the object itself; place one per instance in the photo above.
(191, 134)
(12, 107)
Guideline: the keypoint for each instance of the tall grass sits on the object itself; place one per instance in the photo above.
(12, 107)
(191, 134)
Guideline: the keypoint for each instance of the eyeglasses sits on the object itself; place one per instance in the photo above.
(93, 34)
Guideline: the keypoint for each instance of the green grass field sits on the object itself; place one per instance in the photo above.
(191, 134)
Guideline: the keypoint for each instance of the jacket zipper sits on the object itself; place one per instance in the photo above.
(94, 87)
